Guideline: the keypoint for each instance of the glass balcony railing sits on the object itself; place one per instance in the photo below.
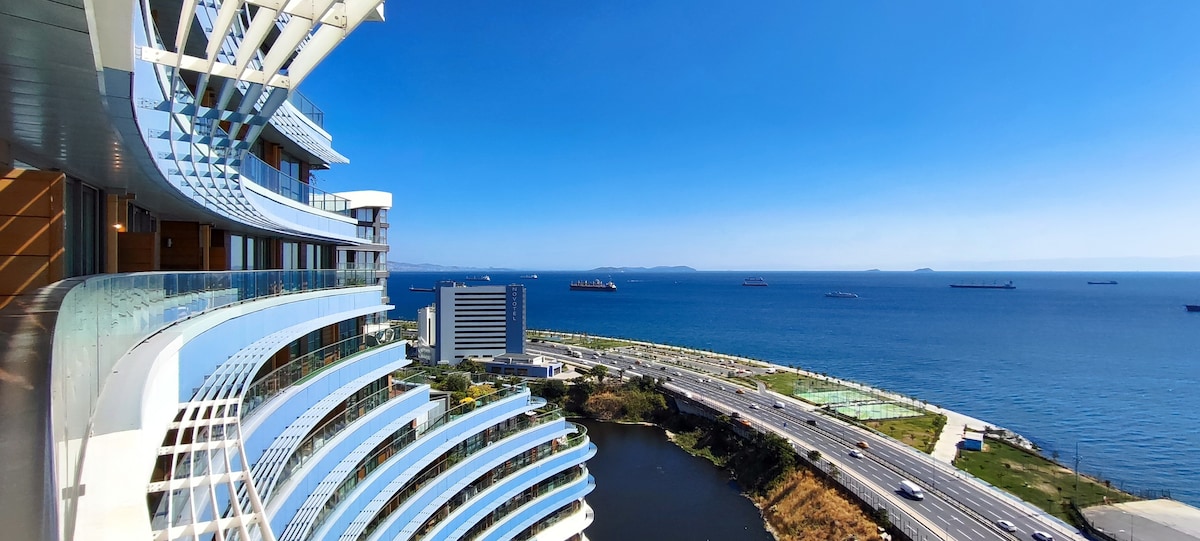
(407, 380)
(100, 318)
(307, 108)
(399, 441)
(267, 176)
(431, 472)
(308, 365)
(501, 472)
(378, 267)
(530, 495)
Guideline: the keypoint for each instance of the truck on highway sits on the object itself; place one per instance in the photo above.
(911, 490)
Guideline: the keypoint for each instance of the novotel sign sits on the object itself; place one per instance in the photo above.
(514, 309)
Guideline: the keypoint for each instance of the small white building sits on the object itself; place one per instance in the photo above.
(523, 365)
(427, 326)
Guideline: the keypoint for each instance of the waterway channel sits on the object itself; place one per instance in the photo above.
(648, 488)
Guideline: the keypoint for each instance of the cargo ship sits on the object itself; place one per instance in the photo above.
(484, 278)
(754, 282)
(1007, 285)
(1192, 307)
(841, 295)
(422, 289)
(593, 285)
(1103, 283)
(529, 277)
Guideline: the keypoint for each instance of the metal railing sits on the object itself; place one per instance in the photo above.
(99, 319)
(431, 472)
(307, 108)
(400, 441)
(318, 438)
(493, 477)
(264, 174)
(532, 494)
(308, 365)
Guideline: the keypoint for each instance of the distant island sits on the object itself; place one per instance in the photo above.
(679, 268)
(872, 270)
(924, 269)
(396, 266)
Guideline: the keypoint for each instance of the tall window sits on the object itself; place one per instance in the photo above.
(291, 255)
(81, 240)
(237, 253)
(289, 165)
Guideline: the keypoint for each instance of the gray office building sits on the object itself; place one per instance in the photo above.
(478, 321)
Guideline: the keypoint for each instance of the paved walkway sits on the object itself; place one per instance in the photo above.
(1157, 520)
(946, 447)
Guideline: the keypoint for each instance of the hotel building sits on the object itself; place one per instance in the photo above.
(194, 333)
(478, 321)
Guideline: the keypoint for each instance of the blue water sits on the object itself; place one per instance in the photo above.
(648, 488)
(1112, 369)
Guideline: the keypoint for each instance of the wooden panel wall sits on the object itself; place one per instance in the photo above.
(31, 231)
(181, 246)
(136, 252)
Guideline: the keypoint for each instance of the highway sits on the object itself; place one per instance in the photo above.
(955, 503)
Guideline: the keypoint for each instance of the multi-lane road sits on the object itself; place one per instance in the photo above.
(956, 504)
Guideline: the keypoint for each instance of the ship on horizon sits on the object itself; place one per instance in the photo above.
(484, 278)
(1006, 285)
(841, 295)
(1192, 307)
(421, 289)
(754, 281)
(593, 285)
(1103, 283)
(529, 277)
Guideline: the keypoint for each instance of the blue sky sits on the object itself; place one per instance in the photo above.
(774, 135)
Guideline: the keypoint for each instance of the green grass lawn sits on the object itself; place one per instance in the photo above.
(919, 432)
(1033, 478)
(782, 382)
(592, 343)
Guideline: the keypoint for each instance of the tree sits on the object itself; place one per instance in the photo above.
(456, 383)
(470, 365)
(814, 456)
(599, 371)
(882, 518)
(553, 390)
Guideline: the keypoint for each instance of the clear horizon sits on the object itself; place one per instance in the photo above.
(1173, 265)
(777, 135)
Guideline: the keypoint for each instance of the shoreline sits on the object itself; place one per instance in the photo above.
(965, 421)
(803, 472)
(729, 367)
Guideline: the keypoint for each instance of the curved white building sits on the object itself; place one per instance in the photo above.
(194, 333)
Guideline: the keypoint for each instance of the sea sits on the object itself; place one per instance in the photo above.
(1105, 376)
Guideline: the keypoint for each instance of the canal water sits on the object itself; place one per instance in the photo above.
(648, 488)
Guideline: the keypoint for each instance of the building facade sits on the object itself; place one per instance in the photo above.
(478, 321)
(523, 365)
(194, 333)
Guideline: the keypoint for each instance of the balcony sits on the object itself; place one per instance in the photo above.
(307, 108)
(65, 341)
(424, 480)
(263, 174)
(309, 365)
(325, 502)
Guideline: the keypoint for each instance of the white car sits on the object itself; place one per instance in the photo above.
(856, 453)
(753, 406)
(1042, 536)
(1006, 526)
